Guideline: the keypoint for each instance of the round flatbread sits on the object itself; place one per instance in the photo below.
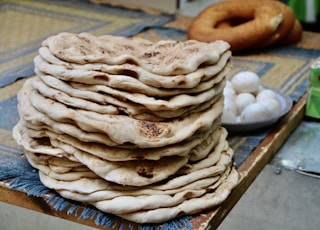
(143, 134)
(188, 207)
(130, 77)
(166, 57)
(129, 126)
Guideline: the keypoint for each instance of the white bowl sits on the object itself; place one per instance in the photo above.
(239, 127)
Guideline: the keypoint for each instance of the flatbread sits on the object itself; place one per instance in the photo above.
(180, 101)
(114, 106)
(188, 207)
(128, 76)
(197, 147)
(134, 173)
(41, 145)
(127, 204)
(126, 87)
(40, 162)
(143, 134)
(129, 126)
(200, 179)
(93, 196)
(167, 57)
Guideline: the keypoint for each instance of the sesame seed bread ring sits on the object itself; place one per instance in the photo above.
(294, 35)
(263, 22)
(288, 32)
(284, 28)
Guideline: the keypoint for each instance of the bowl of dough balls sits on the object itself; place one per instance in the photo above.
(248, 105)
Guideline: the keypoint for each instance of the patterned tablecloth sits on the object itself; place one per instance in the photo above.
(26, 23)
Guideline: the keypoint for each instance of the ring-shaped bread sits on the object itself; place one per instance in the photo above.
(294, 35)
(288, 32)
(261, 22)
(285, 26)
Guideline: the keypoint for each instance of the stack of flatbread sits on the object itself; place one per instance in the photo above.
(130, 126)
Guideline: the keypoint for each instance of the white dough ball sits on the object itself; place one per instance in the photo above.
(242, 100)
(229, 105)
(266, 94)
(228, 117)
(246, 82)
(273, 105)
(228, 84)
(229, 93)
(255, 112)
(261, 88)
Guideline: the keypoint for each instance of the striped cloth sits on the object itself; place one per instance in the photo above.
(26, 23)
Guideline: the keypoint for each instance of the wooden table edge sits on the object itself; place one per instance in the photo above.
(38, 204)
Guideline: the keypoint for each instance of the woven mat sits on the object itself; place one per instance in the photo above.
(26, 23)
(283, 68)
